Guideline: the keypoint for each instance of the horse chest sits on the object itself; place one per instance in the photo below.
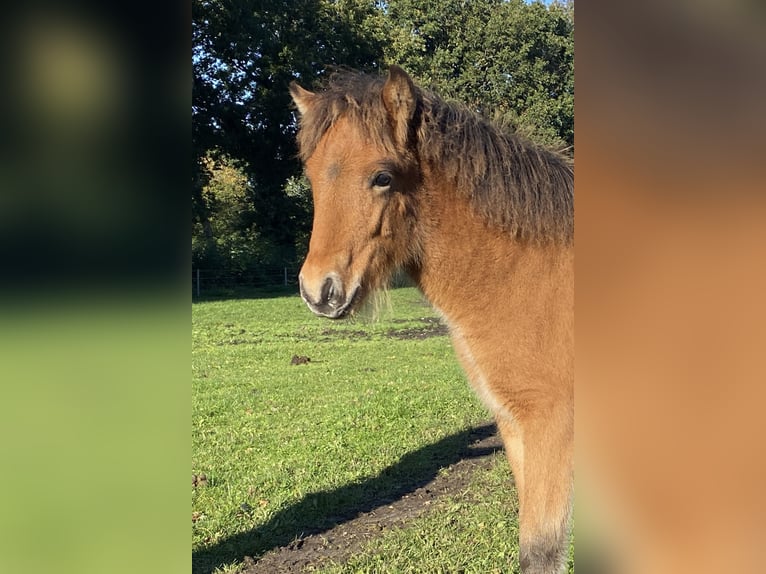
(476, 374)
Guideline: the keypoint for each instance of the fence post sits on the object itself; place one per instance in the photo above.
(198, 282)
(285, 276)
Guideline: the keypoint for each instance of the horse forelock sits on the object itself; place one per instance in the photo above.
(514, 184)
(352, 95)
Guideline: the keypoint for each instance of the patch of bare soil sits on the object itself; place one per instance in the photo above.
(330, 334)
(342, 541)
(432, 327)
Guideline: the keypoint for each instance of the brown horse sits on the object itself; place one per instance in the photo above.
(483, 221)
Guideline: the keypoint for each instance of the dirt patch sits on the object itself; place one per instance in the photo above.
(418, 333)
(342, 541)
(328, 334)
(349, 334)
(241, 342)
(432, 327)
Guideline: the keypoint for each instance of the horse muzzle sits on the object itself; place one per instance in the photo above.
(329, 298)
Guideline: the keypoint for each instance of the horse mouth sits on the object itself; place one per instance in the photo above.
(351, 303)
(330, 311)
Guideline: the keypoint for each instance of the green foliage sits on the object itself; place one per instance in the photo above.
(510, 60)
(298, 190)
(229, 237)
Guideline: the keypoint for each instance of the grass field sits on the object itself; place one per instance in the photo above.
(372, 410)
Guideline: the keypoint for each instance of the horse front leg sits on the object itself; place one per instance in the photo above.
(540, 450)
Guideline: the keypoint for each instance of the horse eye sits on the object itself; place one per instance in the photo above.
(383, 179)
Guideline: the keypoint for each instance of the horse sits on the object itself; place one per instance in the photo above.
(483, 221)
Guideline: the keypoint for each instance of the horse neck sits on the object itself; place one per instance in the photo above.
(469, 268)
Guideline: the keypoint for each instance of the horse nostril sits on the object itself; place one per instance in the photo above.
(332, 292)
(327, 291)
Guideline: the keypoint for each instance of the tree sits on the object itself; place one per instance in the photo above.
(229, 238)
(506, 59)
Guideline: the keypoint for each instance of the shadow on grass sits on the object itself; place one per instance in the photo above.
(321, 511)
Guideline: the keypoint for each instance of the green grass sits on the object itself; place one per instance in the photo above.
(289, 449)
(472, 531)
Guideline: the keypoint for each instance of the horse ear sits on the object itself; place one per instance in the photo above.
(302, 97)
(400, 100)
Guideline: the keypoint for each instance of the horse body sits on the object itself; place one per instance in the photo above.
(499, 270)
(510, 313)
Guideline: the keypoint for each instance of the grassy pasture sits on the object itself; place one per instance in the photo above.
(293, 449)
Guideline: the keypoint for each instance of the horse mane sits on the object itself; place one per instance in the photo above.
(514, 184)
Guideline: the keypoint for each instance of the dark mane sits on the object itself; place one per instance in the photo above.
(516, 185)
